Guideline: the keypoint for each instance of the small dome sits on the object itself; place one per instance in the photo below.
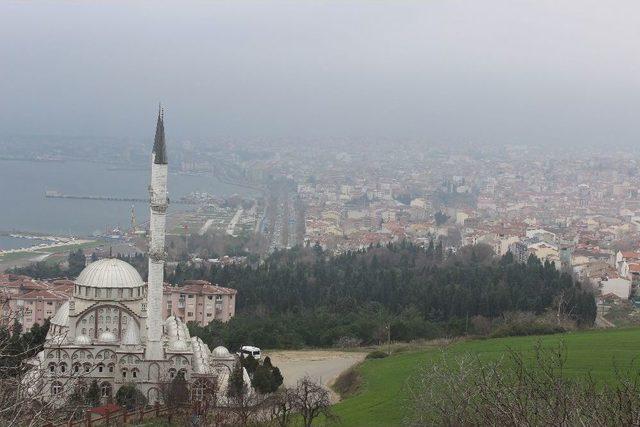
(221, 351)
(107, 337)
(82, 340)
(61, 317)
(110, 273)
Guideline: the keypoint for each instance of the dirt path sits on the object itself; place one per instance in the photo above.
(322, 365)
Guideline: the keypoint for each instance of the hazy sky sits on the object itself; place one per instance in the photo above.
(539, 72)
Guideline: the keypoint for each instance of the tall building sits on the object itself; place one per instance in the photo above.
(112, 329)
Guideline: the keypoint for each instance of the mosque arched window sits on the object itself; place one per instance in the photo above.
(134, 373)
(100, 368)
(56, 388)
(63, 367)
(172, 373)
(76, 367)
(87, 368)
(52, 368)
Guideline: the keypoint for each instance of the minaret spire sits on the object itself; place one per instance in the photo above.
(159, 144)
(159, 203)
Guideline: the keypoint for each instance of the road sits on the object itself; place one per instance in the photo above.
(322, 365)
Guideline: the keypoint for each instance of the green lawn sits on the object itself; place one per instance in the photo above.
(381, 401)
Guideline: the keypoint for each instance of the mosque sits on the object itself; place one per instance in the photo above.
(112, 329)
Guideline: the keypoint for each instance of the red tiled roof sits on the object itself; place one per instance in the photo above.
(200, 287)
(45, 294)
(631, 255)
(634, 268)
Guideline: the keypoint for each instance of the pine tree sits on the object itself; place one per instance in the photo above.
(276, 379)
(261, 380)
(250, 364)
(92, 398)
(130, 397)
(236, 381)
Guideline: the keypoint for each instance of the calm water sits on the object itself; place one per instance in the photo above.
(8, 242)
(23, 205)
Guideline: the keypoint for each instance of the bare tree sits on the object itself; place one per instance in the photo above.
(311, 400)
(25, 385)
(282, 406)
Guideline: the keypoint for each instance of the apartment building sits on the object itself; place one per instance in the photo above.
(199, 301)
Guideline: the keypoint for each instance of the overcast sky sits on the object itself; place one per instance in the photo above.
(536, 72)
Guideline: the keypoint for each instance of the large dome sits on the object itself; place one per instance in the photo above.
(110, 273)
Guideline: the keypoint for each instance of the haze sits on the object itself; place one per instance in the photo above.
(487, 72)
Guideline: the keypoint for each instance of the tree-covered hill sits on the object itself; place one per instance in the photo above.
(307, 297)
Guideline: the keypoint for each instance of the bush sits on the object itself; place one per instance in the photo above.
(130, 397)
(348, 383)
(348, 342)
(377, 355)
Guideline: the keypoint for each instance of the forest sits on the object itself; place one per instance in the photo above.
(307, 297)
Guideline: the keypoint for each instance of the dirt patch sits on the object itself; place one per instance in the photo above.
(323, 366)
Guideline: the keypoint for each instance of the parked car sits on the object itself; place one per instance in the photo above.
(247, 350)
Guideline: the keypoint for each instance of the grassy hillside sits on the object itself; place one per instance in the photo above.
(381, 401)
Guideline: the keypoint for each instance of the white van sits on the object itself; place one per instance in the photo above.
(247, 350)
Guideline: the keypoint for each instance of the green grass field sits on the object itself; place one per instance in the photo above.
(381, 401)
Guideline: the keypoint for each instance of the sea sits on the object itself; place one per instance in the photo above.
(24, 207)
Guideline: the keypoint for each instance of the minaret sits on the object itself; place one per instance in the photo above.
(158, 202)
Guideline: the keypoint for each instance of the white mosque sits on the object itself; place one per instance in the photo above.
(112, 330)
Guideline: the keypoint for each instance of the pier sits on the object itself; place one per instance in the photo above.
(58, 195)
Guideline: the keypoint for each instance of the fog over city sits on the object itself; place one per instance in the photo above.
(483, 72)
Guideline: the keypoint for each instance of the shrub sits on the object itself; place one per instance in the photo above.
(348, 383)
(377, 355)
(347, 342)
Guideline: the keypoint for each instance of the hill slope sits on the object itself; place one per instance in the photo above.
(382, 401)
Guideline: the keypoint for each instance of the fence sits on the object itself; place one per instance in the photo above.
(120, 417)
